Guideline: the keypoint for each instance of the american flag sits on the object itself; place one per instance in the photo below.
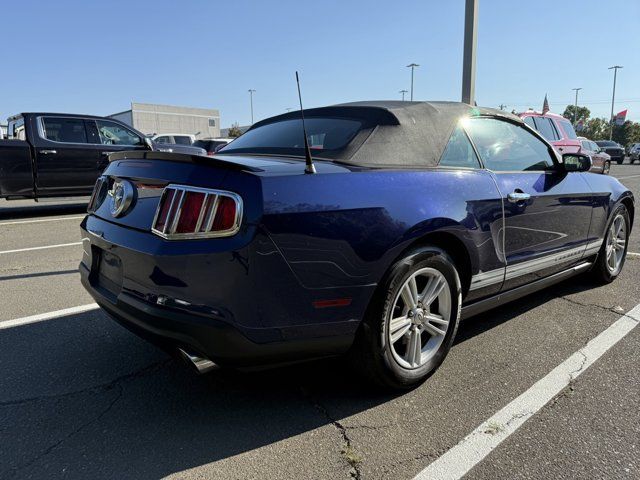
(545, 105)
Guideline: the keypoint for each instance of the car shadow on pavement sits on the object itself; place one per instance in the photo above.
(81, 397)
(8, 211)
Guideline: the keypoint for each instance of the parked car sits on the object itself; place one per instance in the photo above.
(212, 145)
(634, 153)
(556, 129)
(403, 218)
(62, 155)
(179, 148)
(613, 149)
(174, 138)
(56, 154)
(601, 162)
(629, 147)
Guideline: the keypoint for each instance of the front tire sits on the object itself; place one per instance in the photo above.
(411, 325)
(613, 252)
(619, 161)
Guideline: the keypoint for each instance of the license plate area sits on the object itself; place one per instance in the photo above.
(107, 277)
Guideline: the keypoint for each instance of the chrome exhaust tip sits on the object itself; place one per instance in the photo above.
(202, 365)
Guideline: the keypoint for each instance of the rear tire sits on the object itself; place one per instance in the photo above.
(411, 322)
(613, 251)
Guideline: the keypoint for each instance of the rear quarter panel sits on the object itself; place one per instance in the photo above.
(347, 229)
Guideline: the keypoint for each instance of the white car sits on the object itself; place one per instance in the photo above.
(176, 138)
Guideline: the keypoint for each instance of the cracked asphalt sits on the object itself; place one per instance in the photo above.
(80, 397)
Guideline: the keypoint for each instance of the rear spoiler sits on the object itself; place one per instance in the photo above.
(180, 157)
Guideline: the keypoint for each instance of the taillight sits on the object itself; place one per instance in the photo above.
(191, 212)
(98, 195)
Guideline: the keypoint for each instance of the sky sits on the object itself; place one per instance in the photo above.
(91, 57)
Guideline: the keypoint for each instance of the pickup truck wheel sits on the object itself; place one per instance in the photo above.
(619, 161)
(614, 247)
(410, 327)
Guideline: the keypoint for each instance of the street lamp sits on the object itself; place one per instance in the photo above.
(575, 107)
(613, 97)
(413, 66)
(251, 91)
(403, 92)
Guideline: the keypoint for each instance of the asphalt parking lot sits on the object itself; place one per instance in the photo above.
(80, 397)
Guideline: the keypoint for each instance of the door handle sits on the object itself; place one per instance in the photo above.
(518, 196)
(48, 152)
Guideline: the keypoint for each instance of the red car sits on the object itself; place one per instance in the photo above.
(555, 128)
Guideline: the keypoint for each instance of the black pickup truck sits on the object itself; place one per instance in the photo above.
(62, 155)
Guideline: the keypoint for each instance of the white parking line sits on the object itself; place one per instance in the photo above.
(456, 462)
(57, 219)
(633, 254)
(41, 248)
(47, 316)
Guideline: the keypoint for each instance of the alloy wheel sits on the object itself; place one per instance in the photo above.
(420, 317)
(616, 243)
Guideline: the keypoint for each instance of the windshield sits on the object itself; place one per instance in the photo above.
(327, 137)
(607, 143)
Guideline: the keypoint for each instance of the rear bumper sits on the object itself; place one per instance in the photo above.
(210, 337)
(237, 304)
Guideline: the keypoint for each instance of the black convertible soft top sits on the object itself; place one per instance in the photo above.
(402, 133)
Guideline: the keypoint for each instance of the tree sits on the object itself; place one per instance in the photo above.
(596, 129)
(583, 113)
(234, 131)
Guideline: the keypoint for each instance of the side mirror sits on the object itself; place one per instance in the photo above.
(576, 162)
(148, 143)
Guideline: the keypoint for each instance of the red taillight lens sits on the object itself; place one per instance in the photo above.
(225, 214)
(99, 192)
(163, 214)
(190, 212)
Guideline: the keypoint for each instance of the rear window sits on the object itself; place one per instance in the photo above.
(327, 137)
(546, 128)
(182, 140)
(568, 129)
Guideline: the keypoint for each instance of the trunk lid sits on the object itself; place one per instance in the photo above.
(148, 173)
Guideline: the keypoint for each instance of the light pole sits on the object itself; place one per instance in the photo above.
(403, 92)
(413, 66)
(469, 55)
(613, 97)
(251, 90)
(575, 106)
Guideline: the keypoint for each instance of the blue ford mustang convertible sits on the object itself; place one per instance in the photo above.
(373, 238)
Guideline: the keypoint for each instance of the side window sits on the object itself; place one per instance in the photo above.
(546, 129)
(586, 145)
(163, 139)
(115, 134)
(66, 130)
(182, 140)
(529, 121)
(505, 146)
(459, 152)
(568, 129)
